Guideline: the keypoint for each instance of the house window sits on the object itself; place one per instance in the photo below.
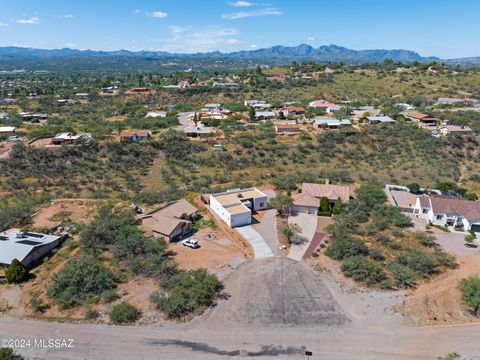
(439, 217)
(262, 204)
(425, 211)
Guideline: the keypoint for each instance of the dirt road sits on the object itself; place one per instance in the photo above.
(277, 308)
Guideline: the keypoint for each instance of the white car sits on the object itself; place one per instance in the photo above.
(192, 243)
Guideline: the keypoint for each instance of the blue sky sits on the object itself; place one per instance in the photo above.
(444, 28)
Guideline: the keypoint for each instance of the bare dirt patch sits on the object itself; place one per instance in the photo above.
(80, 212)
(439, 302)
(217, 251)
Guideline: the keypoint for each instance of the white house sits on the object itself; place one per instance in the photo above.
(450, 101)
(27, 247)
(265, 115)
(404, 107)
(330, 123)
(4, 116)
(380, 119)
(235, 206)
(449, 211)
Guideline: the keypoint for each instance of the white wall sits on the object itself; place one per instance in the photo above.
(260, 203)
(241, 219)
(219, 210)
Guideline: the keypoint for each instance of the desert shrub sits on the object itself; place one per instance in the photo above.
(402, 275)
(470, 237)
(37, 305)
(363, 269)
(16, 272)
(344, 247)
(80, 280)
(444, 259)
(187, 292)
(424, 238)
(470, 289)
(420, 262)
(91, 314)
(376, 254)
(124, 313)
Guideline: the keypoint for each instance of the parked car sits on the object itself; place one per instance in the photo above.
(471, 245)
(192, 243)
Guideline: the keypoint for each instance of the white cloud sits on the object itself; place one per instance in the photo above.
(136, 11)
(253, 46)
(157, 14)
(246, 14)
(200, 40)
(311, 38)
(2, 24)
(177, 29)
(240, 4)
(69, 44)
(68, 16)
(30, 21)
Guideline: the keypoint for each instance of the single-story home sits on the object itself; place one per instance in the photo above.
(171, 221)
(212, 108)
(155, 114)
(225, 84)
(27, 247)
(64, 138)
(422, 119)
(139, 90)
(4, 116)
(195, 131)
(450, 101)
(265, 115)
(7, 129)
(404, 106)
(330, 123)
(449, 211)
(454, 129)
(235, 206)
(287, 129)
(254, 102)
(134, 135)
(293, 110)
(308, 200)
(379, 120)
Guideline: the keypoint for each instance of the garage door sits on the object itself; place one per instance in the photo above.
(476, 228)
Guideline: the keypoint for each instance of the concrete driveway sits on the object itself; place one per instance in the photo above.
(452, 242)
(267, 228)
(308, 226)
(257, 242)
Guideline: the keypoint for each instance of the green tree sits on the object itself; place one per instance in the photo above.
(337, 207)
(187, 292)
(470, 289)
(80, 279)
(324, 207)
(9, 354)
(290, 231)
(413, 186)
(251, 113)
(16, 272)
(281, 203)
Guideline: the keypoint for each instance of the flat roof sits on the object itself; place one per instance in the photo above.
(233, 197)
(17, 245)
(237, 209)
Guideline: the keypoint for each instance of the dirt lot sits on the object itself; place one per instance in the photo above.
(439, 302)
(41, 143)
(217, 251)
(80, 212)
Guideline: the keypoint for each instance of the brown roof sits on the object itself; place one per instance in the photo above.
(424, 201)
(178, 209)
(332, 192)
(470, 210)
(404, 199)
(418, 115)
(297, 109)
(161, 224)
(303, 199)
(129, 133)
(287, 127)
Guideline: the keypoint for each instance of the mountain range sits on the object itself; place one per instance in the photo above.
(72, 59)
